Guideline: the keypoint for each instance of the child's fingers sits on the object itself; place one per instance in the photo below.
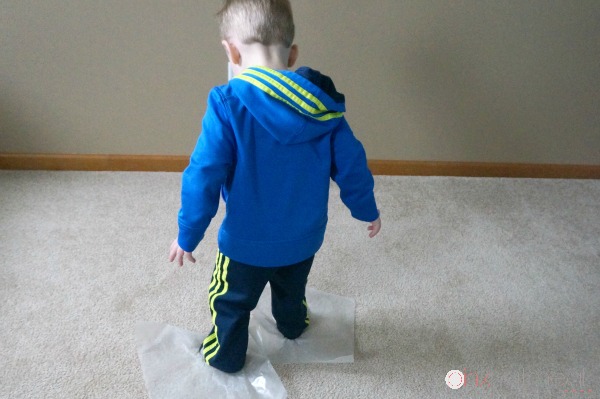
(190, 257)
(173, 250)
(178, 255)
(374, 228)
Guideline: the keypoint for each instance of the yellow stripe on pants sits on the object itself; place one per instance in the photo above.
(218, 287)
(307, 320)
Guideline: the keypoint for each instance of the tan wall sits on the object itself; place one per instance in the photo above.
(471, 80)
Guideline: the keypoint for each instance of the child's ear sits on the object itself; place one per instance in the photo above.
(293, 55)
(233, 54)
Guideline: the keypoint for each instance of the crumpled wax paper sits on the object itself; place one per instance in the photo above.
(174, 368)
(328, 339)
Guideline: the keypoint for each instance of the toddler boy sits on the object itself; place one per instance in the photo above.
(271, 141)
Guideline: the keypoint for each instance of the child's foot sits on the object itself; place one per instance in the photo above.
(290, 334)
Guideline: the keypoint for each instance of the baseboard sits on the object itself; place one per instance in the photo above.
(168, 163)
(84, 162)
(484, 169)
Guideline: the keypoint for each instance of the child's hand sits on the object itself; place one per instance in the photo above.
(374, 227)
(177, 254)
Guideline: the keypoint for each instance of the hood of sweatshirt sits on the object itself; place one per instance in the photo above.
(294, 107)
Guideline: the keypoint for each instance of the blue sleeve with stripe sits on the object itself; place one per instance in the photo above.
(209, 167)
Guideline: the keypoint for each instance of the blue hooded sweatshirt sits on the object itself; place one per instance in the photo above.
(270, 143)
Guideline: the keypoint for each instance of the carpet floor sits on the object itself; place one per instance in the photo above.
(496, 278)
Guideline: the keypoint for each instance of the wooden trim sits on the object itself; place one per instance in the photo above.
(484, 169)
(127, 163)
(175, 163)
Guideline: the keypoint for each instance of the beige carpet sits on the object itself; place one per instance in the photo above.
(498, 278)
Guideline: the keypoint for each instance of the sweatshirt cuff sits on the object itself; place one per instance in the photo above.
(367, 215)
(188, 240)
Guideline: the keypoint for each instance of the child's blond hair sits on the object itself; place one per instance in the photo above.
(267, 22)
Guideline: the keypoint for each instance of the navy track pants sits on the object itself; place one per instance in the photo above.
(234, 291)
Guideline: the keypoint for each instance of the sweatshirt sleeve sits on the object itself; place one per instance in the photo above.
(206, 173)
(351, 173)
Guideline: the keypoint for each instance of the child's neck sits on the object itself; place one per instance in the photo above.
(256, 54)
